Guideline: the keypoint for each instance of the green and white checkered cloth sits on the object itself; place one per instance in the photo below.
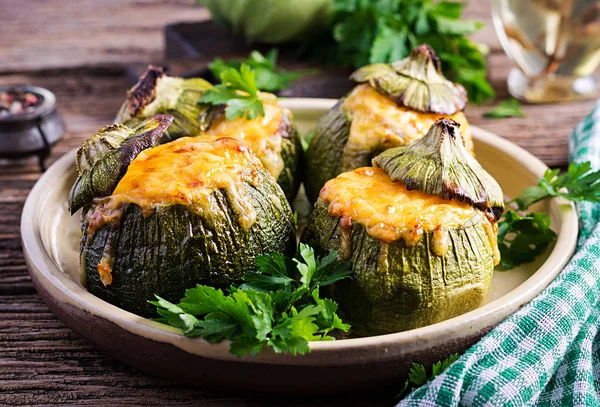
(547, 353)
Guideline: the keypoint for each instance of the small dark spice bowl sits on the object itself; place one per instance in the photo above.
(29, 122)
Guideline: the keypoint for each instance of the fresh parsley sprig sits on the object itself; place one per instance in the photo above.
(578, 184)
(278, 306)
(385, 31)
(418, 373)
(506, 108)
(269, 77)
(238, 91)
(523, 236)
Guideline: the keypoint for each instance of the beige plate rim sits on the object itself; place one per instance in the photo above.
(348, 351)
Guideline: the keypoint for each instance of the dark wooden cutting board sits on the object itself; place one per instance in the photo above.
(190, 47)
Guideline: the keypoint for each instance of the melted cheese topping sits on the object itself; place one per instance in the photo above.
(187, 171)
(261, 134)
(378, 123)
(491, 228)
(390, 212)
(105, 268)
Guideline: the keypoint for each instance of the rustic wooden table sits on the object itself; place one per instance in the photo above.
(78, 49)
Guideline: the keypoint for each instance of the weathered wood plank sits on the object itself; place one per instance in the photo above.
(44, 363)
(39, 34)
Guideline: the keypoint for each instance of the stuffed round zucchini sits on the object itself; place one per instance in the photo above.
(273, 137)
(159, 219)
(393, 105)
(420, 229)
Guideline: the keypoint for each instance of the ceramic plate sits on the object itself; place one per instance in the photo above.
(51, 238)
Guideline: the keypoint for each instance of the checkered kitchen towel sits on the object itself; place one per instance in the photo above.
(548, 353)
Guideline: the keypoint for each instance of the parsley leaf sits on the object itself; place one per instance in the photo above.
(385, 31)
(522, 238)
(331, 270)
(439, 367)
(418, 374)
(328, 319)
(578, 184)
(238, 91)
(273, 274)
(506, 108)
(272, 308)
(269, 77)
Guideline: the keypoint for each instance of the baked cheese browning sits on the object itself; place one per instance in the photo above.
(390, 212)
(491, 228)
(378, 123)
(186, 171)
(262, 135)
(105, 268)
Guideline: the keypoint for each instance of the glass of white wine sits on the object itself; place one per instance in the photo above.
(554, 43)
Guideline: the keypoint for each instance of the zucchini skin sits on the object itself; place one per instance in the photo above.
(293, 158)
(414, 287)
(173, 248)
(323, 157)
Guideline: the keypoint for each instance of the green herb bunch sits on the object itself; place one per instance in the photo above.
(269, 76)
(371, 31)
(278, 306)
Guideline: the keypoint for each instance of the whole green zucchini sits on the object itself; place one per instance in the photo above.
(273, 138)
(399, 286)
(392, 105)
(190, 211)
(420, 230)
